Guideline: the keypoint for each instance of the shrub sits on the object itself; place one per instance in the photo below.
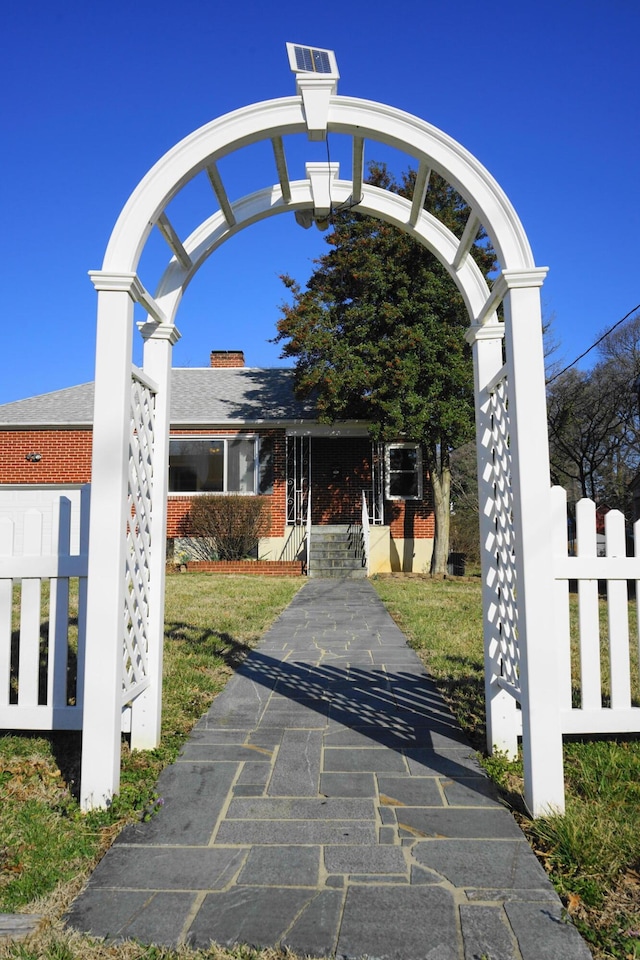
(227, 527)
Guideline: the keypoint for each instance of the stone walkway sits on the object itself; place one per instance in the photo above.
(329, 802)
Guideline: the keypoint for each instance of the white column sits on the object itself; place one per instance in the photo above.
(501, 711)
(100, 775)
(146, 709)
(542, 737)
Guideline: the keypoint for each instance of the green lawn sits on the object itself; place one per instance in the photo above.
(47, 847)
(593, 852)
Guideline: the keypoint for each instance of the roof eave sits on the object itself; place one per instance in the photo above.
(47, 425)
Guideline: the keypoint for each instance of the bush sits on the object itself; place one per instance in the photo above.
(228, 528)
(464, 536)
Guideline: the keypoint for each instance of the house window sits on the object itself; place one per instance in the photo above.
(212, 465)
(403, 479)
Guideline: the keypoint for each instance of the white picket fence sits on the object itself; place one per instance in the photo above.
(43, 545)
(597, 693)
(597, 636)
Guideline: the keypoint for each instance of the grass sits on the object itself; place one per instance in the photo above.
(58, 944)
(47, 847)
(592, 853)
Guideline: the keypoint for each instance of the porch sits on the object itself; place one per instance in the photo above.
(340, 479)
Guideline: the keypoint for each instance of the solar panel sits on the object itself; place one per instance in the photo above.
(313, 60)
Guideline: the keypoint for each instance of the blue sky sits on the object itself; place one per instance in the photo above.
(545, 94)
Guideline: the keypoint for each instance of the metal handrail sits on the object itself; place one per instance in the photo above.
(292, 547)
(308, 528)
(366, 534)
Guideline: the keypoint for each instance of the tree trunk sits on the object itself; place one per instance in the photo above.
(440, 474)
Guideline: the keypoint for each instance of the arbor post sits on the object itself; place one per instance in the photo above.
(100, 772)
(146, 709)
(541, 728)
(502, 719)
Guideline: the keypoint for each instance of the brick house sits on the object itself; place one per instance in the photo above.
(238, 429)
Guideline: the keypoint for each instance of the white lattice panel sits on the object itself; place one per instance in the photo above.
(505, 612)
(138, 554)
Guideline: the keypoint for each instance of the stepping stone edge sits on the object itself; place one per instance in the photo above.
(17, 926)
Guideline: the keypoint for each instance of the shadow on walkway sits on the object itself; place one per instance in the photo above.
(328, 802)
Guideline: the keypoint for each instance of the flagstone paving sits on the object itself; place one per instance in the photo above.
(328, 802)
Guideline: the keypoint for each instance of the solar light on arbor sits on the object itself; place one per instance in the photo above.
(317, 78)
(305, 60)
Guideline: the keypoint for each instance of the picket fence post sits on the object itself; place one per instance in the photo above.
(7, 533)
(30, 611)
(618, 615)
(561, 611)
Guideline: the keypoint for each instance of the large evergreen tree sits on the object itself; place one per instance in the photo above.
(378, 335)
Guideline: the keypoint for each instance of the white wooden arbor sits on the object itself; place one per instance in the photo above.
(130, 450)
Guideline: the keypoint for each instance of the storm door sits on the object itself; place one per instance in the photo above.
(376, 502)
(298, 478)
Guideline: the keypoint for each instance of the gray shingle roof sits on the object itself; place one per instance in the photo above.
(200, 395)
(246, 394)
(74, 405)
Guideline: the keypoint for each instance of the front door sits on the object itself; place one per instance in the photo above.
(341, 471)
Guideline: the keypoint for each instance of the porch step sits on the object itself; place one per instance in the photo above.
(336, 551)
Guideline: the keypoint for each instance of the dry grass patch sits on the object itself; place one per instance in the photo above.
(48, 848)
(53, 942)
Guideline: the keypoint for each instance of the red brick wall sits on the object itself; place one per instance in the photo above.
(177, 512)
(66, 456)
(411, 518)
(269, 568)
(227, 358)
(279, 497)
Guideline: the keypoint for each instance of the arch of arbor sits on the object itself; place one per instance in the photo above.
(131, 420)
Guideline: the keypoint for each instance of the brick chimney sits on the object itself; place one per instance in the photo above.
(227, 358)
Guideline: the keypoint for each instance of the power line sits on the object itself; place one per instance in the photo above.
(593, 345)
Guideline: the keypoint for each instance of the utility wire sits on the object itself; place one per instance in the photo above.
(593, 345)
(349, 203)
(329, 172)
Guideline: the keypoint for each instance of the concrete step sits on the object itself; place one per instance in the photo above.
(340, 538)
(329, 563)
(320, 528)
(321, 550)
(336, 552)
(336, 574)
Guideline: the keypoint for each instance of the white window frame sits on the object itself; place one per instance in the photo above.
(388, 472)
(213, 438)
